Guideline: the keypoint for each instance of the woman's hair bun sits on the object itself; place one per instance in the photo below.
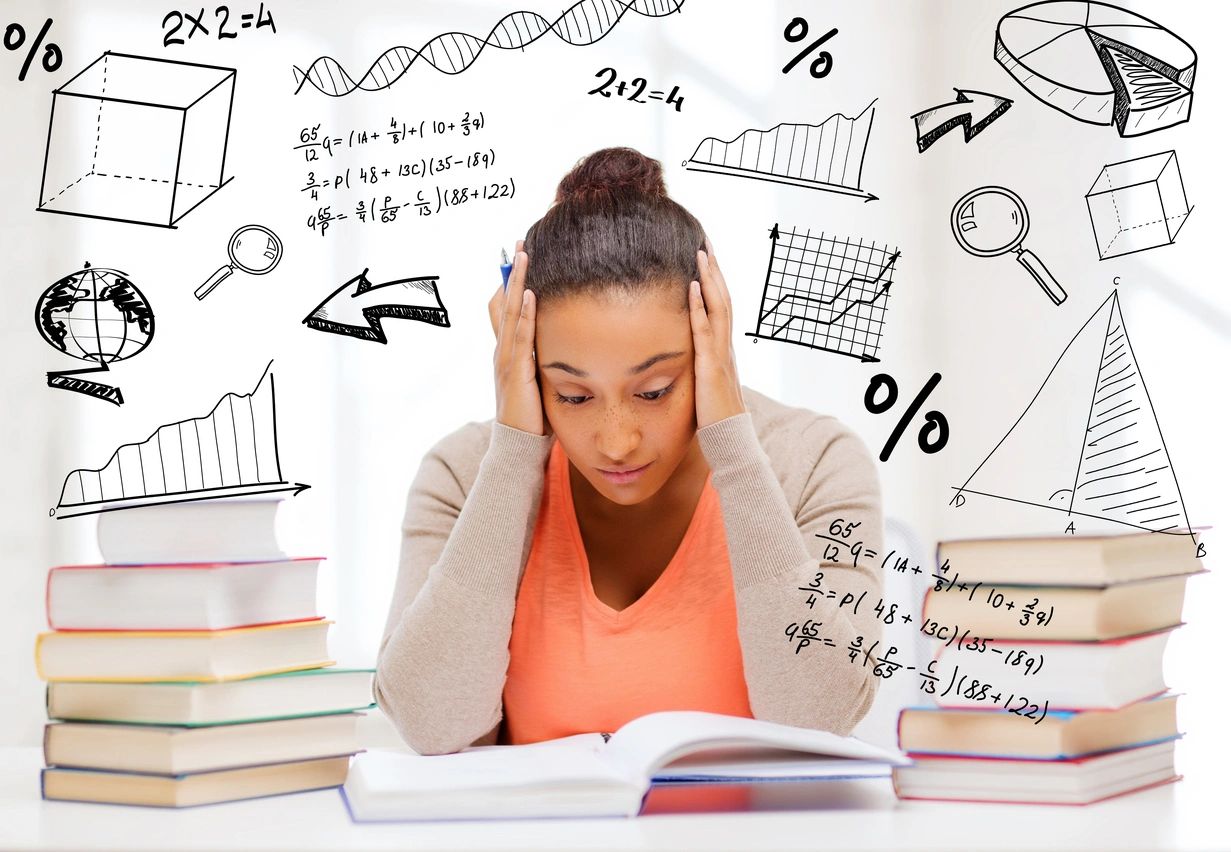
(612, 173)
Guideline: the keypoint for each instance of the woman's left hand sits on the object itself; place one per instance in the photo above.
(717, 388)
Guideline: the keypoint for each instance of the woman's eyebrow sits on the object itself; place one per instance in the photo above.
(640, 368)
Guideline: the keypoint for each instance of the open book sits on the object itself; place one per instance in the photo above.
(589, 776)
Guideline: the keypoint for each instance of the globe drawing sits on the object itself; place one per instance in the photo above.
(95, 315)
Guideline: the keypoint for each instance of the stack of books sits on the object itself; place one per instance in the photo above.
(191, 667)
(1049, 669)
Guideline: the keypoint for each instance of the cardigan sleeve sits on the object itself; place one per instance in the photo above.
(776, 549)
(444, 656)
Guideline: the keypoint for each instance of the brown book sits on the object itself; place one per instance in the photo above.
(1063, 734)
(1070, 560)
(1063, 613)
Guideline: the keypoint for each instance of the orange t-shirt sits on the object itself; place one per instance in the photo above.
(577, 665)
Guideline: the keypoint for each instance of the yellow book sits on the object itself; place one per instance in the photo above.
(148, 656)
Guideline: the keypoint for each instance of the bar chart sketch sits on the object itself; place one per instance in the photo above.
(1089, 442)
(230, 452)
(826, 156)
(826, 293)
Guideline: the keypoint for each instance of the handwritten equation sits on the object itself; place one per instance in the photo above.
(1031, 612)
(175, 21)
(634, 90)
(411, 182)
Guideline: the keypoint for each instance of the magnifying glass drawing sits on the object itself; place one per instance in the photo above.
(991, 221)
(253, 249)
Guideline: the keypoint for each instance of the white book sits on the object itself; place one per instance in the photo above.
(584, 775)
(1073, 675)
(176, 750)
(200, 531)
(210, 596)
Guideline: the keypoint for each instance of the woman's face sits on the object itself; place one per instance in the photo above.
(617, 379)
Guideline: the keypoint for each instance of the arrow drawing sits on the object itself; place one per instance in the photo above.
(972, 111)
(356, 308)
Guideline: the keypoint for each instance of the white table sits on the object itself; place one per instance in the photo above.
(845, 815)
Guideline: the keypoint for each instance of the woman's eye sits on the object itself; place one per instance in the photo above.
(658, 394)
(571, 400)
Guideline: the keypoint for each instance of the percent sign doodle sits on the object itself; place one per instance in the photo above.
(932, 437)
(797, 31)
(15, 37)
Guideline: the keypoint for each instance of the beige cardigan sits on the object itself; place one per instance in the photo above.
(783, 475)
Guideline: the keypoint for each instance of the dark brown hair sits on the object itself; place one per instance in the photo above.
(613, 226)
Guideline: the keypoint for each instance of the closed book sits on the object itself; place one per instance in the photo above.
(201, 596)
(1074, 614)
(587, 775)
(173, 750)
(234, 530)
(1072, 781)
(144, 656)
(1065, 675)
(1062, 734)
(200, 788)
(308, 692)
(1071, 560)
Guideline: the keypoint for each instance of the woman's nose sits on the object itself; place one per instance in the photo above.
(618, 435)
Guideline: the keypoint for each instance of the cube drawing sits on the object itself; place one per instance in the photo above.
(135, 139)
(1137, 205)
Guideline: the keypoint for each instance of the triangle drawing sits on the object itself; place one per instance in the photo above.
(1089, 443)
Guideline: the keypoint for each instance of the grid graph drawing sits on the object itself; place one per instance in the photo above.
(231, 452)
(137, 139)
(826, 292)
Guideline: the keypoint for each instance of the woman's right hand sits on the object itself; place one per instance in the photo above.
(512, 310)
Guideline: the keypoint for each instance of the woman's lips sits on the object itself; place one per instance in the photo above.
(625, 477)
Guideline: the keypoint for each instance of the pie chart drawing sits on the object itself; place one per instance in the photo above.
(1099, 64)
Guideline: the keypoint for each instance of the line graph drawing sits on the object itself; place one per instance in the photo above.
(827, 156)
(1099, 64)
(582, 24)
(355, 309)
(230, 452)
(826, 293)
(1113, 464)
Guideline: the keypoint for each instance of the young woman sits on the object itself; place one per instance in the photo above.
(634, 531)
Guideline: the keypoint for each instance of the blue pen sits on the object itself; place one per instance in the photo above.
(506, 268)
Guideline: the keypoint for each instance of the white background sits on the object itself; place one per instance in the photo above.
(355, 417)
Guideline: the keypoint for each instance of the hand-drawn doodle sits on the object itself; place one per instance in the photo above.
(972, 111)
(139, 140)
(991, 221)
(795, 32)
(95, 315)
(356, 308)
(935, 432)
(1099, 64)
(582, 24)
(253, 248)
(826, 156)
(1113, 464)
(1137, 205)
(231, 452)
(826, 293)
(15, 37)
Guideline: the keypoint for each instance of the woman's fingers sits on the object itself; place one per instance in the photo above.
(717, 300)
(511, 310)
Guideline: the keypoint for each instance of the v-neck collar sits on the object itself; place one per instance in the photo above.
(607, 613)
